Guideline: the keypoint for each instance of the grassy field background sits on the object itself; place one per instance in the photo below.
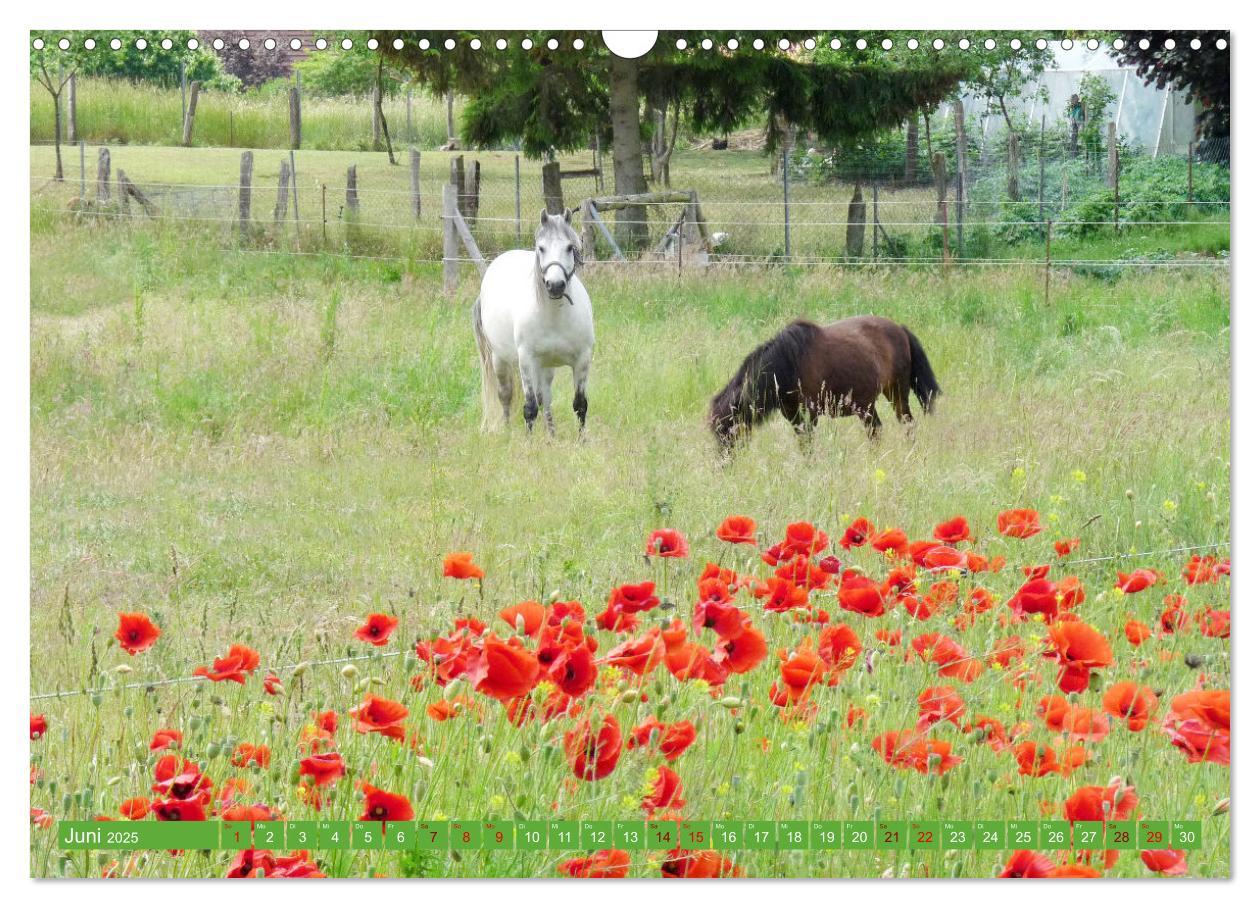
(261, 447)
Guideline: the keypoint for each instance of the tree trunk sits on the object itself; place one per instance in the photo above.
(623, 103)
(60, 175)
(912, 150)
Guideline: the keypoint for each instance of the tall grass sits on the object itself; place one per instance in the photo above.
(112, 111)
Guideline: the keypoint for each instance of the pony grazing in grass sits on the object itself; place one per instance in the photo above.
(808, 370)
(533, 316)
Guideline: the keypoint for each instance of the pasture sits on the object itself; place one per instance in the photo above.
(263, 448)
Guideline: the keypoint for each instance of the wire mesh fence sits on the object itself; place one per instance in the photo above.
(1039, 197)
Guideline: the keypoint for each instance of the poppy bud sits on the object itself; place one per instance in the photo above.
(349, 671)
(1222, 806)
(96, 699)
(739, 728)
(123, 669)
(300, 669)
(630, 696)
(730, 702)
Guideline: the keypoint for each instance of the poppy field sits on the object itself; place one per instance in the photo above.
(279, 574)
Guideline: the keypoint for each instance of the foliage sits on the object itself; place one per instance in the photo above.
(155, 64)
(338, 72)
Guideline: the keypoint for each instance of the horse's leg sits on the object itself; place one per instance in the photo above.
(504, 381)
(870, 418)
(803, 419)
(581, 370)
(548, 375)
(531, 382)
(899, 397)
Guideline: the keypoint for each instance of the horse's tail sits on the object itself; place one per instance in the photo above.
(922, 380)
(766, 374)
(491, 410)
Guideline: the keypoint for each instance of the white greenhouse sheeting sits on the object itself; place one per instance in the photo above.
(1160, 121)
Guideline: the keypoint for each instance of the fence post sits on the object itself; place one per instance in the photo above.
(874, 220)
(450, 241)
(787, 215)
(352, 189)
(518, 200)
(194, 91)
(183, 91)
(282, 193)
(1113, 172)
(942, 204)
(856, 228)
(1049, 232)
(295, 117)
(293, 183)
(323, 210)
(472, 192)
(457, 180)
(72, 99)
(247, 175)
(102, 176)
(415, 179)
(1041, 171)
(1012, 167)
(1190, 173)
(960, 153)
(410, 135)
(588, 231)
(124, 203)
(553, 190)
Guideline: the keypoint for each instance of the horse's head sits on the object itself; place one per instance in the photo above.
(556, 247)
(729, 417)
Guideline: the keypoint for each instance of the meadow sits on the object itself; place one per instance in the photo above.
(256, 447)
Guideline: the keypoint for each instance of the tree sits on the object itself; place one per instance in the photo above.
(1203, 73)
(53, 69)
(553, 101)
(253, 65)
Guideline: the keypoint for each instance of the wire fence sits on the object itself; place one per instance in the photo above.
(1034, 201)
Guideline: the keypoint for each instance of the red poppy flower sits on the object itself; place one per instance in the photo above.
(1019, 523)
(376, 629)
(803, 539)
(1065, 547)
(742, 652)
(946, 558)
(251, 863)
(608, 864)
(638, 656)
(504, 670)
(246, 753)
(1214, 623)
(839, 647)
(891, 540)
(324, 769)
(675, 739)
(952, 660)
(385, 806)
(1136, 632)
(1202, 569)
(39, 726)
(187, 810)
(136, 632)
(667, 544)
(384, 717)
(1199, 724)
(1027, 865)
(1078, 648)
(1166, 862)
(634, 597)
(857, 534)
(738, 530)
(1139, 580)
(134, 808)
(461, 566)
(698, 865)
(1036, 759)
(952, 531)
(862, 595)
(909, 749)
(593, 753)
(272, 684)
(1039, 596)
(239, 661)
(782, 595)
(524, 617)
(666, 793)
(1126, 700)
(940, 704)
(1083, 871)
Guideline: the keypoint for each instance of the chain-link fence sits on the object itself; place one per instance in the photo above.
(1049, 194)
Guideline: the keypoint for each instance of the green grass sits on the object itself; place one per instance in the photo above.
(113, 111)
(264, 448)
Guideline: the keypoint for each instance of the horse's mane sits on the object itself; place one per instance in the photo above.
(765, 374)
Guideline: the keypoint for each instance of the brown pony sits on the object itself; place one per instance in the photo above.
(808, 370)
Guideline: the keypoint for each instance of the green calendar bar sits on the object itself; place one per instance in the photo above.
(630, 835)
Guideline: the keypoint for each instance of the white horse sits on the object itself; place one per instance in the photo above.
(533, 316)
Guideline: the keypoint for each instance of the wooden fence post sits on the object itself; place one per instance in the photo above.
(588, 231)
(472, 192)
(457, 180)
(450, 240)
(102, 176)
(553, 189)
(194, 91)
(72, 99)
(942, 204)
(295, 117)
(415, 181)
(247, 176)
(124, 203)
(1012, 167)
(282, 192)
(960, 152)
(352, 189)
(856, 232)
